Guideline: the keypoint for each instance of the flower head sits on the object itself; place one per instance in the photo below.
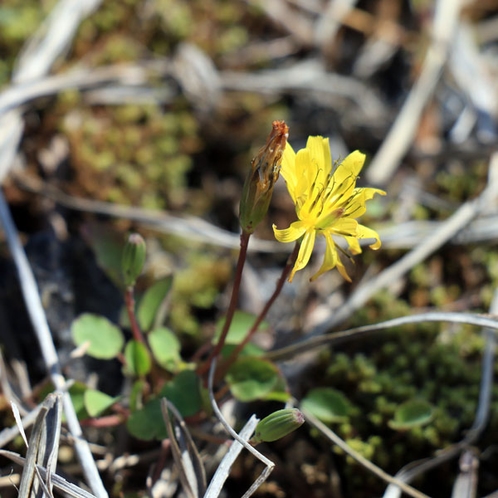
(327, 203)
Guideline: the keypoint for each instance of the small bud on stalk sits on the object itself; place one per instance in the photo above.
(258, 187)
(278, 425)
(133, 259)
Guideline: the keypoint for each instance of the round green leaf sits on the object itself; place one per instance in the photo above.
(412, 413)
(240, 326)
(327, 404)
(137, 358)
(184, 391)
(151, 302)
(252, 378)
(104, 338)
(147, 423)
(97, 402)
(165, 347)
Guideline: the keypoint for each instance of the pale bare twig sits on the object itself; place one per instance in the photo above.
(335, 439)
(336, 338)
(49, 353)
(414, 469)
(184, 451)
(191, 227)
(59, 482)
(401, 135)
(269, 465)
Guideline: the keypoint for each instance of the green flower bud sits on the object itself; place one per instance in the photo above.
(278, 425)
(133, 259)
(258, 187)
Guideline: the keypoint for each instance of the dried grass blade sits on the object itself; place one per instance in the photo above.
(184, 452)
(40, 325)
(60, 484)
(412, 470)
(42, 449)
(269, 465)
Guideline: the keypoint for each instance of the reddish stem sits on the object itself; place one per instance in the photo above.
(102, 422)
(130, 308)
(244, 242)
(278, 288)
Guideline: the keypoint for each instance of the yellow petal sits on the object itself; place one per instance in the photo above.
(364, 232)
(353, 163)
(343, 271)
(294, 232)
(304, 252)
(305, 174)
(329, 259)
(347, 227)
(319, 153)
(288, 169)
(354, 245)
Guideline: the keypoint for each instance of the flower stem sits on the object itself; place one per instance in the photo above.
(278, 288)
(130, 308)
(244, 242)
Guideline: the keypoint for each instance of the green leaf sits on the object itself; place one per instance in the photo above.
(148, 422)
(104, 338)
(107, 245)
(253, 378)
(412, 413)
(184, 391)
(165, 347)
(249, 349)
(77, 394)
(137, 358)
(151, 302)
(327, 404)
(136, 394)
(97, 402)
(279, 391)
(240, 326)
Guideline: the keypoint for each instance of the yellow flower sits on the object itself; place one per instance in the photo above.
(327, 203)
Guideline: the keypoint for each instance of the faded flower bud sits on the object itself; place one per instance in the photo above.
(258, 187)
(278, 425)
(133, 259)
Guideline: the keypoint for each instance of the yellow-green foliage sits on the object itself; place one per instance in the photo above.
(121, 30)
(198, 285)
(434, 362)
(133, 154)
(19, 19)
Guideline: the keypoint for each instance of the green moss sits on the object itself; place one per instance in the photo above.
(435, 362)
(197, 285)
(18, 20)
(135, 148)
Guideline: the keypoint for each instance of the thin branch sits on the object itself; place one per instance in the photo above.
(335, 338)
(268, 463)
(401, 135)
(49, 353)
(334, 438)
(414, 469)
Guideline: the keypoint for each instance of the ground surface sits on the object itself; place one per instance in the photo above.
(161, 105)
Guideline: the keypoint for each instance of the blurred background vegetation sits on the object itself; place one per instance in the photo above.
(191, 91)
